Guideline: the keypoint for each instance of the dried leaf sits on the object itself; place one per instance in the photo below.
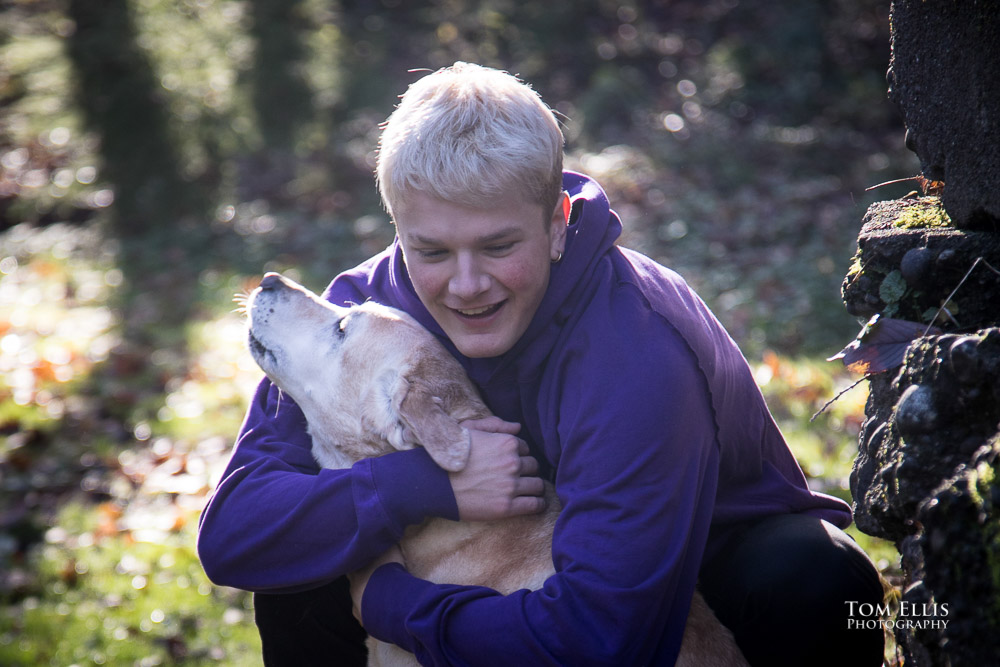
(881, 344)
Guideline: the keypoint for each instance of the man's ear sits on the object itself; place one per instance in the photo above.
(558, 223)
(427, 424)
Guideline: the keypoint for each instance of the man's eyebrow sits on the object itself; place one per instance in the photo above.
(422, 240)
(502, 234)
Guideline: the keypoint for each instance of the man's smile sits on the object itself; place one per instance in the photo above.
(481, 312)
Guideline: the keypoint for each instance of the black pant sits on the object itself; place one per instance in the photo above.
(781, 585)
(315, 627)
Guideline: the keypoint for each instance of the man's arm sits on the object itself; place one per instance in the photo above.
(277, 522)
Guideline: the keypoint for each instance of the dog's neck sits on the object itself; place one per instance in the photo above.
(330, 456)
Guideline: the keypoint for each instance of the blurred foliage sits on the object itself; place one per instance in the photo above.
(759, 127)
(121, 102)
(158, 156)
(106, 459)
(117, 601)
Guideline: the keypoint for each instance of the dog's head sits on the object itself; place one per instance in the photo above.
(368, 378)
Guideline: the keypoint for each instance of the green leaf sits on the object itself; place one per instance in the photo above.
(893, 288)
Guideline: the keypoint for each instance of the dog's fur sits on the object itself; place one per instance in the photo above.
(371, 380)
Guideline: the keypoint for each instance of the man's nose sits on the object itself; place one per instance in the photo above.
(468, 280)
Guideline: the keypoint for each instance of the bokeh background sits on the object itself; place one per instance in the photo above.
(157, 157)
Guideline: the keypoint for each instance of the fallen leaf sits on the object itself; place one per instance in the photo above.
(882, 344)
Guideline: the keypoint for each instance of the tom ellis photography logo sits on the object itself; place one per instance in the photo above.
(904, 615)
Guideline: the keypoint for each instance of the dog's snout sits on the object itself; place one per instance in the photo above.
(271, 281)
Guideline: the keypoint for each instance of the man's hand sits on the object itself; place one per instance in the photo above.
(359, 579)
(500, 479)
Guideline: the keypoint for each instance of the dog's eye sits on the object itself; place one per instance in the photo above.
(342, 327)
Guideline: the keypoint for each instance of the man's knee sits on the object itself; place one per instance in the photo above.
(784, 590)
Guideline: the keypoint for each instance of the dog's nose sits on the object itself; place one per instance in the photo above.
(271, 281)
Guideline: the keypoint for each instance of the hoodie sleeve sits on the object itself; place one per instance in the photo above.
(278, 523)
(637, 459)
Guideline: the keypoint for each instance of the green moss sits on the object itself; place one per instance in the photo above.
(980, 480)
(856, 266)
(924, 212)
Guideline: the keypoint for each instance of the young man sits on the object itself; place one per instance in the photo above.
(612, 373)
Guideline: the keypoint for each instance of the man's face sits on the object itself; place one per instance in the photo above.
(480, 273)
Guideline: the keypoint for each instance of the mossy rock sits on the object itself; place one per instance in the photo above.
(910, 262)
(926, 477)
(960, 543)
(924, 422)
(943, 76)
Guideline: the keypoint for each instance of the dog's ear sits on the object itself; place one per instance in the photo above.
(427, 424)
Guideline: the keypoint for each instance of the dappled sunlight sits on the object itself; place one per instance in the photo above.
(55, 321)
(735, 141)
(116, 563)
(820, 414)
(110, 599)
(820, 407)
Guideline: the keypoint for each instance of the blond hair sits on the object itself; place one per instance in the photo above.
(472, 136)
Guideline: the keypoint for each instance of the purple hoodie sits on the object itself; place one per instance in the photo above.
(635, 400)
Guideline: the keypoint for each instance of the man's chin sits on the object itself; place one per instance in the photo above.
(480, 346)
